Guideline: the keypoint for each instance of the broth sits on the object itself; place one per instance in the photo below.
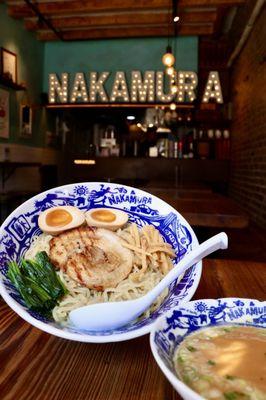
(226, 362)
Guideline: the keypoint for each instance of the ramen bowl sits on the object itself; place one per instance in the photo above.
(169, 331)
(21, 226)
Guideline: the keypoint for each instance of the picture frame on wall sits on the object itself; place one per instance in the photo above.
(4, 114)
(25, 121)
(8, 65)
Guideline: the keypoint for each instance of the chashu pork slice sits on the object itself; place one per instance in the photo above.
(94, 258)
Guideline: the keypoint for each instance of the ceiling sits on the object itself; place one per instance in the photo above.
(105, 19)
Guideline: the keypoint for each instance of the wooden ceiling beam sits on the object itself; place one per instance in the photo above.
(125, 19)
(125, 32)
(21, 10)
(220, 19)
(239, 24)
(201, 16)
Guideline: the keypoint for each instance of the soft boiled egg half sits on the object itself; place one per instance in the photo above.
(55, 220)
(108, 218)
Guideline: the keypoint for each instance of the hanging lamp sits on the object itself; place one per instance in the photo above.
(168, 58)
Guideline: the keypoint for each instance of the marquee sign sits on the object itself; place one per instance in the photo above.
(142, 88)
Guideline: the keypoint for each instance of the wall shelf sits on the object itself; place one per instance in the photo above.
(10, 84)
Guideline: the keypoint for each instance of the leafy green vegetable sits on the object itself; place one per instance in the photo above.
(227, 329)
(191, 348)
(187, 379)
(233, 395)
(207, 378)
(230, 377)
(37, 282)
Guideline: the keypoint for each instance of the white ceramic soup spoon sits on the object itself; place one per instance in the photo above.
(111, 315)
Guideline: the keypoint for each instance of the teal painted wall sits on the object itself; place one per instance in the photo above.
(117, 55)
(36, 60)
(30, 60)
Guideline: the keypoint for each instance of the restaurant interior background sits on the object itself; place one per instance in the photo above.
(207, 159)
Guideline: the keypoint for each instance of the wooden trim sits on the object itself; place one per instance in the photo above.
(116, 105)
(126, 32)
(127, 19)
(48, 8)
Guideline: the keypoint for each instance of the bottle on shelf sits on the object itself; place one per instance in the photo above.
(163, 142)
(203, 145)
(180, 148)
(210, 134)
(195, 142)
(218, 144)
(171, 145)
(191, 150)
(176, 149)
(226, 144)
(135, 148)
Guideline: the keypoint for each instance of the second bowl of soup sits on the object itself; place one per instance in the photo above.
(214, 349)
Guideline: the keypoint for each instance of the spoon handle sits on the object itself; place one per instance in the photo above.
(219, 241)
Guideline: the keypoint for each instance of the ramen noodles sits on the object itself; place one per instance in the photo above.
(151, 261)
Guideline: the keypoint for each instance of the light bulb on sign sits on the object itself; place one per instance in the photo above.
(97, 88)
(161, 96)
(187, 83)
(57, 88)
(213, 88)
(119, 88)
(174, 89)
(170, 71)
(172, 106)
(142, 88)
(79, 89)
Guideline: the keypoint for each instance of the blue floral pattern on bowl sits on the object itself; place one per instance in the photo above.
(19, 228)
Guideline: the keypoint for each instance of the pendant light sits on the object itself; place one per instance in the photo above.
(168, 58)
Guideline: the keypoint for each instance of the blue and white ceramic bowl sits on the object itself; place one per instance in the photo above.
(172, 328)
(18, 229)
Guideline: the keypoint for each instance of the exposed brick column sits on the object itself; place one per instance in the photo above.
(248, 133)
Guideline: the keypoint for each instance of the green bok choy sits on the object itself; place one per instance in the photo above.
(37, 282)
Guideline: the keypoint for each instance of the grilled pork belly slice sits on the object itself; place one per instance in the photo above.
(94, 258)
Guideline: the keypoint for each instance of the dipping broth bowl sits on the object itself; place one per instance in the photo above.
(172, 328)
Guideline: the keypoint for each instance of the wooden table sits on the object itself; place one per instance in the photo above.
(201, 207)
(7, 169)
(36, 365)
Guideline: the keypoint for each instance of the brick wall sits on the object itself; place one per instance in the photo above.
(248, 133)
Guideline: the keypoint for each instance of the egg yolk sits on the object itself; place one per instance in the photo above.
(103, 216)
(58, 218)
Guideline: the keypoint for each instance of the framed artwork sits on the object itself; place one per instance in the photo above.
(8, 65)
(25, 121)
(4, 113)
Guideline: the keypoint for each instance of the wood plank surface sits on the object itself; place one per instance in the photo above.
(126, 19)
(206, 209)
(36, 365)
(126, 32)
(105, 19)
(19, 9)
